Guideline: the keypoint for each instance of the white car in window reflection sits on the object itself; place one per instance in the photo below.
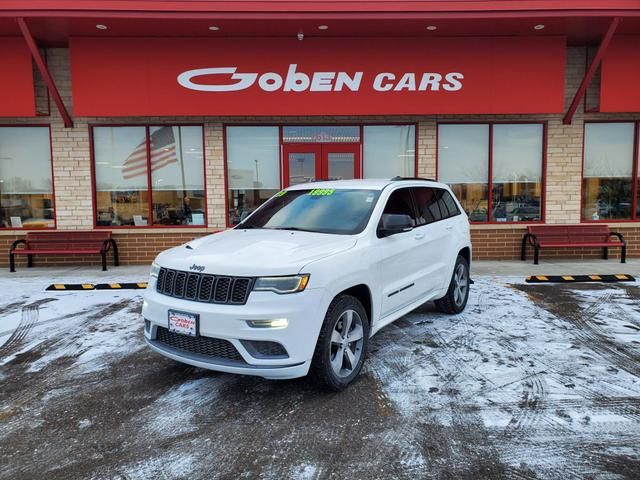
(302, 283)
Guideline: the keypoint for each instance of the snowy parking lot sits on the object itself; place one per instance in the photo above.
(531, 381)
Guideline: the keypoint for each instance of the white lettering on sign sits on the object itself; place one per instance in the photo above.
(297, 81)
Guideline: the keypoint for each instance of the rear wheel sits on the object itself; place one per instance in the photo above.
(456, 298)
(342, 343)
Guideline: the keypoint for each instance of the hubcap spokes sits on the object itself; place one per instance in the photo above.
(460, 285)
(347, 339)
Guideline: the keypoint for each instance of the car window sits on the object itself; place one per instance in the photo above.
(434, 204)
(337, 211)
(450, 203)
(427, 203)
(401, 203)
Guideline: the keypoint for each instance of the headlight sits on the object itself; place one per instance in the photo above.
(289, 284)
(155, 269)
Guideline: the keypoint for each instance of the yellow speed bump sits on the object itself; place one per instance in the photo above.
(579, 278)
(98, 286)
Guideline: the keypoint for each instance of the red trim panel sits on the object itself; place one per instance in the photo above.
(320, 5)
(619, 91)
(17, 96)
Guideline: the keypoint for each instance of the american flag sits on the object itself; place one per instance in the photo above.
(163, 152)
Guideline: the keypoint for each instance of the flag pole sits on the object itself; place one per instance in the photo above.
(179, 152)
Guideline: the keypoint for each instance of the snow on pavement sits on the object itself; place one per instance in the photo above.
(530, 381)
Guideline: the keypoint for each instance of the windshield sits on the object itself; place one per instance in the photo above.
(338, 211)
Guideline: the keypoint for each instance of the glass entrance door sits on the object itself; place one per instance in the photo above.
(304, 163)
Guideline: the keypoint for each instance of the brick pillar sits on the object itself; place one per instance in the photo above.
(564, 150)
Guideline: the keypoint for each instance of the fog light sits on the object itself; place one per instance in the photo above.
(147, 325)
(273, 323)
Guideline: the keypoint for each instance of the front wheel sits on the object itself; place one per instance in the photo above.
(456, 298)
(342, 343)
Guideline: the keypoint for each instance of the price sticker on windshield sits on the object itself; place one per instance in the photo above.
(321, 192)
(281, 193)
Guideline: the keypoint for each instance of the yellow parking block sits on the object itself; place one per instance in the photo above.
(595, 277)
(568, 278)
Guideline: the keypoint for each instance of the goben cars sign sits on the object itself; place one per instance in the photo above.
(334, 76)
(295, 81)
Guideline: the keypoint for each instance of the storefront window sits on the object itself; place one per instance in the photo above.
(517, 173)
(389, 150)
(516, 181)
(26, 189)
(463, 163)
(130, 160)
(253, 169)
(607, 187)
(177, 179)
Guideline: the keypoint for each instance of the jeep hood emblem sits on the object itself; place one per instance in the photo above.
(197, 268)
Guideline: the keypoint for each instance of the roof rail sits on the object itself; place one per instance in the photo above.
(398, 178)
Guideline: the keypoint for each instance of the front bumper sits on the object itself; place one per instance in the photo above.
(303, 311)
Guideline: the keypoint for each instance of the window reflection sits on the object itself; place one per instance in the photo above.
(177, 176)
(463, 163)
(120, 155)
(26, 192)
(607, 187)
(123, 156)
(517, 173)
(389, 150)
(253, 169)
(516, 183)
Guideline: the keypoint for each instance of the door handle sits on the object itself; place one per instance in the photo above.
(419, 236)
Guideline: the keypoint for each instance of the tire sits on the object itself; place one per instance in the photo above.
(457, 295)
(331, 353)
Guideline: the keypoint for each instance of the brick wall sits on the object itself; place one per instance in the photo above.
(133, 249)
(73, 186)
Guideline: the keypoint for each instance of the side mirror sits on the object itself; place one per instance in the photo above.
(392, 223)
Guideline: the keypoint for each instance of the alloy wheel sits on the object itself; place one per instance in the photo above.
(460, 285)
(347, 339)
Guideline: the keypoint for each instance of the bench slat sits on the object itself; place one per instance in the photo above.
(24, 251)
(581, 244)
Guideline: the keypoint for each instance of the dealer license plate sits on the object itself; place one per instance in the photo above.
(183, 323)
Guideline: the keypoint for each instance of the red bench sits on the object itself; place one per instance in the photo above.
(64, 243)
(581, 236)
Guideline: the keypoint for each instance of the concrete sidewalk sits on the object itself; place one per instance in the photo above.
(507, 268)
(555, 267)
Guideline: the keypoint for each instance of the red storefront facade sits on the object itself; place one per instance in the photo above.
(163, 121)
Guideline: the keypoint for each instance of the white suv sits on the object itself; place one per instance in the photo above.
(303, 282)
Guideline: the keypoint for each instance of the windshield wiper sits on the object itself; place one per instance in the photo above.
(295, 229)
